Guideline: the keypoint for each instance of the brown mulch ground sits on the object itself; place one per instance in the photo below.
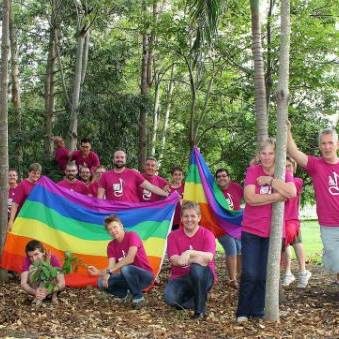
(88, 313)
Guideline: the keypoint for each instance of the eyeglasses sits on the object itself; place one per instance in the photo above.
(222, 176)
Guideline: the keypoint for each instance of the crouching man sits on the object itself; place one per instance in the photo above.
(191, 252)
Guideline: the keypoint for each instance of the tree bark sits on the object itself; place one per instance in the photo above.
(4, 122)
(268, 76)
(16, 97)
(273, 265)
(156, 111)
(259, 74)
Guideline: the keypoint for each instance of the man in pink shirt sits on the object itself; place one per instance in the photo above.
(324, 171)
(150, 169)
(85, 156)
(234, 193)
(22, 191)
(191, 252)
(12, 183)
(129, 271)
(61, 153)
(122, 184)
(71, 182)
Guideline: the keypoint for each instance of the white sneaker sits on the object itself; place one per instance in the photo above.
(303, 279)
(242, 319)
(288, 279)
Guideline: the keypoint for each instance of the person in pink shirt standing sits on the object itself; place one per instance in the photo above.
(233, 192)
(61, 153)
(292, 220)
(150, 169)
(71, 182)
(261, 190)
(191, 252)
(122, 184)
(129, 271)
(12, 183)
(177, 185)
(22, 191)
(94, 185)
(324, 171)
(85, 156)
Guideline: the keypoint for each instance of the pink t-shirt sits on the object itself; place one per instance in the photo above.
(11, 195)
(121, 186)
(257, 219)
(177, 214)
(147, 196)
(178, 242)
(22, 191)
(61, 157)
(119, 250)
(91, 161)
(292, 205)
(76, 186)
(234, 194)
(93, 189)
(325, 179)
(27, 263)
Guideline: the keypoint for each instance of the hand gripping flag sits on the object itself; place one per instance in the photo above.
(68, 221)
(200, 186)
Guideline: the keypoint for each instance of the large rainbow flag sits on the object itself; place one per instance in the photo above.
(67, 221)
(200, 186)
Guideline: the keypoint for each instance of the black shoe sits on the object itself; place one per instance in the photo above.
(199, 315)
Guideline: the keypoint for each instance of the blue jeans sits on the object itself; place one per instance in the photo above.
(231, 246)
(251, 301)
(190, 291)
(131, 278)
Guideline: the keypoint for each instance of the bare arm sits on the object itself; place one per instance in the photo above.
(286, 189)
(24, 284)
(254, 199)
(154, 189)
(14, 209)
(101, 193)
(191, 256)
(292, 149)
(60, 282)
(129, 259)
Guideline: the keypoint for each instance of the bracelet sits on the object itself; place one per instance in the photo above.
(108, 271)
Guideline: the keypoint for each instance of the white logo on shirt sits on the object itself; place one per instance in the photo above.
(265, 189)
(123, 255)
(146, 195)
(333, 184)
(230, 200)
(118, 188)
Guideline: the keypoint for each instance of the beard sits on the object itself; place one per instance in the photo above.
(119, 164)
(70, 177)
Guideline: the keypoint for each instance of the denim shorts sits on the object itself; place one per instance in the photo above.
(330, 239)
(231, 246)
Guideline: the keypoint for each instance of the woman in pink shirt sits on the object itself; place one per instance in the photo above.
(261, 190)
(177, 184)
(129, 271)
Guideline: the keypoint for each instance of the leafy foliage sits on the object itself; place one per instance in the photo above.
(42, 272)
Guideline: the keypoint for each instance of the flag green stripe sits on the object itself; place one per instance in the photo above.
(193, 174)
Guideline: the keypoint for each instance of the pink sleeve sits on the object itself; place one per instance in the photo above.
(96, 161)
(289, 177)
(171, 246)
(139, 179)
(102, 181)
(26, 264)
(163, 182)
(299, 185)
(133, 240)
(110, 251)
(311, 164)
(19, 196)
(251, 176)
(75, 155)
(55, 261)
(209, 242)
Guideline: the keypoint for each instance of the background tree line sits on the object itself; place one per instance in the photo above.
(124, 74)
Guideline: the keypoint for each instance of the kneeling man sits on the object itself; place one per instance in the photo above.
(191, 252)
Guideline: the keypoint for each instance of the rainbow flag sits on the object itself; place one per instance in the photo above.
(200, 186)
(67, 221)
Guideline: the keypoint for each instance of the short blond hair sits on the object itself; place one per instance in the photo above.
(190, 205)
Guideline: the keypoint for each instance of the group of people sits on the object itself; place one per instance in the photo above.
(191, 247)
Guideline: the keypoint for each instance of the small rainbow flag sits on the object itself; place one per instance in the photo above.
(67, 221)
(200, 186)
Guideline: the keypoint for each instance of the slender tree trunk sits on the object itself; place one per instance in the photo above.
(156, 111)
(85, 56)
(4, 124)
(273, 265)
(259, 73)
(268, 76)
(167, 114)
(16, 97)
(73, 129)
(50, 80)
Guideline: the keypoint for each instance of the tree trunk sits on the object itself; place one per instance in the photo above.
(167, 114)
(273, 265)
(259, 74)
(85, 57)
(268, 76)
(49, 82)
(4, 122)
(73, 129)
(156, 111)
(16, 98)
